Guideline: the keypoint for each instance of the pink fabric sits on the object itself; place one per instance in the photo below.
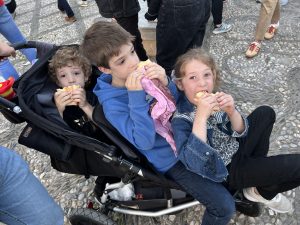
(162, 109)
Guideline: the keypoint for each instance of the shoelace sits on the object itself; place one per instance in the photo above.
(253, 46)
(271, 30)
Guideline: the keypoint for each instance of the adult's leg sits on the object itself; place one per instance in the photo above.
(131, 25)
(23, 199)
(11, 7)
(217, 11)
(214, 196)
(63, 5)
(180, 27)
(11, 32)
(276, 14)
(266, 13)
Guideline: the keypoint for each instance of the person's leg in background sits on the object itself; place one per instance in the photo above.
(11, 32)
(23, 199)
(11, 6)
(219, 203)
(64, 6)
(269, 13)
(83, 3)
(131, 25)
(217, 13)
(181, 26)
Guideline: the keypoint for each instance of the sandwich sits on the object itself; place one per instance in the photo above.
(70, 89)
(201, 93)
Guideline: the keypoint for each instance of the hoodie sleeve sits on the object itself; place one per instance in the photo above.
(133, 120)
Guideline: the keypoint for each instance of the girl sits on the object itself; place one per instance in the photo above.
(210, 142)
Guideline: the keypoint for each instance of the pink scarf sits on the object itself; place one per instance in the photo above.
(162, 109)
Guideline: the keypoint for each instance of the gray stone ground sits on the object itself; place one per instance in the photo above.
(271, 78)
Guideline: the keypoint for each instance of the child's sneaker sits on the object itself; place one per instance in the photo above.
(253, 49)
(271, 31)
(83, 3)
(279, 203)
(223, 28)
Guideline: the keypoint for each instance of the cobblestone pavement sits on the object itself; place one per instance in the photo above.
(271, 78)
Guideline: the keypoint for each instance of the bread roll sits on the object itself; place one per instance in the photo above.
(201, 93)
(70, 89)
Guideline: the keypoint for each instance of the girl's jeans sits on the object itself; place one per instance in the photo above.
(23, 199)
(11, 32)
(219, 203)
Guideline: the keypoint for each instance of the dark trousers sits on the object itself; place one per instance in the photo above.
(131, 25)
(181, 26)
(270, 174)
(217, 11)
(63, 5)
(214, 196)
(11, 6)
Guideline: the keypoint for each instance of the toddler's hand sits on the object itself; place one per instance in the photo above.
(226, 102)
(62, 99)
(133, 81)
(155, 71)
(79, 96)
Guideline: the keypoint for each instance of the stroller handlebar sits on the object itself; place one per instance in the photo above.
(41, 47)
(10, 105)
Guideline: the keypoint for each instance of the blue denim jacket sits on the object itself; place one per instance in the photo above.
(196, 155)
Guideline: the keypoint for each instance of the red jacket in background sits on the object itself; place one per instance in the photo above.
(1, 2)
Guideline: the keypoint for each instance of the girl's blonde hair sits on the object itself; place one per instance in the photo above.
(66, 55)
(199, 55)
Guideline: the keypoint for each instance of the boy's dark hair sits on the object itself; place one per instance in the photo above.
(102, 41)
(66, 55)
(200, 55)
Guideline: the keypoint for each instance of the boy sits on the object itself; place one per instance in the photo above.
(126, 107)
(70, 71)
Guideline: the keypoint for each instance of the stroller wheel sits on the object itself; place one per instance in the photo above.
(89, 217)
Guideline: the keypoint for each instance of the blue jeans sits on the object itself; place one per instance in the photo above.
(11, 32)
(219, 203)
(23, 199)
(64, 6)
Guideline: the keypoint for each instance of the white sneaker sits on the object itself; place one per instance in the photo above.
(223, 28)
(279, 203)
(83, 3)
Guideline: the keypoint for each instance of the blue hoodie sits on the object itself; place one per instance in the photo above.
(128, 112)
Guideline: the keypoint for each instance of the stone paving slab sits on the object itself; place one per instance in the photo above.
(271, 78)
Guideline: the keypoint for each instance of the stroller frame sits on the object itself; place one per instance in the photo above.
(121, 154)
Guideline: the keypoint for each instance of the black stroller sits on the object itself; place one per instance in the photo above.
(114, 160)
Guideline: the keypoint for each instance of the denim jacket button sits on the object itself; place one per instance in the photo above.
(207, 153)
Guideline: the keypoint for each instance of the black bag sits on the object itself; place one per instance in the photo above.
(38, 139)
